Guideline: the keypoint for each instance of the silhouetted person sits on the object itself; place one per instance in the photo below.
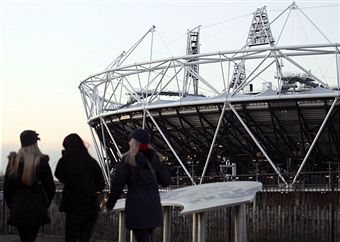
(29, 187)
(142, 170)
(82, 179)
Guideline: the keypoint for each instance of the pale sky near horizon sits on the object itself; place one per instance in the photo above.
(48, 47)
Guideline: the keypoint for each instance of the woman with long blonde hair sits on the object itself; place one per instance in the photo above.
(143, 171)
(29, 187)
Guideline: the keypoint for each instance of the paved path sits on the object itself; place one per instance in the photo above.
(15, 238)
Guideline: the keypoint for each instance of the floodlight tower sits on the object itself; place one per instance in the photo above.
(259, 34)
(193, 48)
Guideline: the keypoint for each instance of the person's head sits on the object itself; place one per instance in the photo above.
(74, 144)
(29, 154)
(138, 139)
(28, 138)
(141, 135)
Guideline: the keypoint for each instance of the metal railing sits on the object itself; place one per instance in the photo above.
(308, 181)
(308, 211)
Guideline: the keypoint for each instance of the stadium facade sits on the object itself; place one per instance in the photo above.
(259, 109)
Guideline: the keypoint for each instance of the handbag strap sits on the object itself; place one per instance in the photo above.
(43, 191)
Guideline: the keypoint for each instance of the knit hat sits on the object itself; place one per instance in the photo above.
(141, 135)
(28, 137)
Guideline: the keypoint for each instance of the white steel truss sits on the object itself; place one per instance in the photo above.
(163, 83)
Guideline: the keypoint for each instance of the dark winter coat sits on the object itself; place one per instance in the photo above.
(82, 178)
(28, 205)
(143, 208)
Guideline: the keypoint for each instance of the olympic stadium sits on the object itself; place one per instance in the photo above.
(259, 109)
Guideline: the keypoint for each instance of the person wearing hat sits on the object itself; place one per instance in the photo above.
(83, 179)
(142, 170)
(29, 187)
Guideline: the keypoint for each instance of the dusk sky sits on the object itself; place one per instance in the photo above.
(48, 47)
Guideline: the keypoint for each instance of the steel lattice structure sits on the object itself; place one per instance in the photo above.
(290, 124)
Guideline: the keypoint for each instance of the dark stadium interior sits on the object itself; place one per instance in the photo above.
(284, 128)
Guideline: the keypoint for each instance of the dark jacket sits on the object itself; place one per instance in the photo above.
(28, 205)
(82, 178)
(143, 208)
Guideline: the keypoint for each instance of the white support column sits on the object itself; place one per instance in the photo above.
(171, 148)
(104, 146)
(314, 141)
(132, 237)
(213, 142)
(167, 224)
(258, 144)
(194, 227)
(121, 227)
(337, 63)
(100, 157)
(240, 222)
(111, 137)
(202, 227)
(85, 103)
(223, 78)
(199, 227)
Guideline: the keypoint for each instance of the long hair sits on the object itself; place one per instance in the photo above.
(30, 157)
(131, 154)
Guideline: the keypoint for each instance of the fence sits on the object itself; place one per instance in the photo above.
(307, 212)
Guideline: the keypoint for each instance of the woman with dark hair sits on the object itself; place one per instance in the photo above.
(83, 179)
(29, 187)
(142, 170)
